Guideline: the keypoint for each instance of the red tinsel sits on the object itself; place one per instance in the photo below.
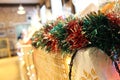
(48, 28)
(114, 18)
(75, 37)
(52, 42)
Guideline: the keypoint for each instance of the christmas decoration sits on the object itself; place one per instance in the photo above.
(106, 7)
(75, 38)
(97, 29)
(103, 32)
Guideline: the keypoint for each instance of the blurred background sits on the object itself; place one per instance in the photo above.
(19, 19)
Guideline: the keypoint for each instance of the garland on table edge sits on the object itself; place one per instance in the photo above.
(71, 34)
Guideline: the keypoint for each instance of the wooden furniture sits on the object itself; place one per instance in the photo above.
(4, 48)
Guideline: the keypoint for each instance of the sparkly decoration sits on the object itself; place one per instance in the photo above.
(75, 38)
(114, 22)
(50, 36)
(103, 32)
(106, 7)
(97, 29)
(70, 34)
(37, 39)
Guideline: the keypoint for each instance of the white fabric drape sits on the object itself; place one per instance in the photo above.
(93, 64)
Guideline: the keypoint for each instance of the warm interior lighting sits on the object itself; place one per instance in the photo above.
(21, 10)
(68, 59)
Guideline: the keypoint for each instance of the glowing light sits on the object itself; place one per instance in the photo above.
(68, 59)
(21, 10)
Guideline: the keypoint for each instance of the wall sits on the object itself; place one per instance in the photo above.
(10, 19)
(8, 15)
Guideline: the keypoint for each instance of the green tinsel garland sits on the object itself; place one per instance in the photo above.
(99, 32)
(103, 32)
(71, 34)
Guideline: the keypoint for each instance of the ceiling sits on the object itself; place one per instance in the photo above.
(4, 3)
(19, 1)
